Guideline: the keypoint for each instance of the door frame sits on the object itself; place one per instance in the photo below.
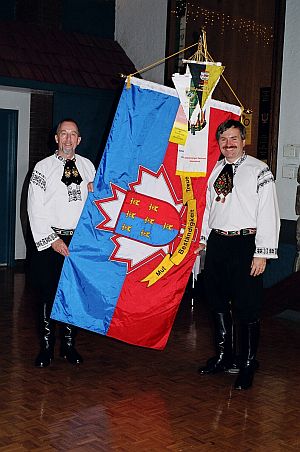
(11, 167)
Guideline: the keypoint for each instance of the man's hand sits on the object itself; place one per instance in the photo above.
(200, 248)
(258, 266)
(60, 247)
(90, 187)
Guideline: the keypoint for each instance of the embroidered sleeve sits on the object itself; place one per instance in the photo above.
(38, 179)
(40, 225)
(264, 177)
(269, 253)
(46, 241)
(268, 219)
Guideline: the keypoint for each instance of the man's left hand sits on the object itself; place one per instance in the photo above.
(258, 266)
(60, 247)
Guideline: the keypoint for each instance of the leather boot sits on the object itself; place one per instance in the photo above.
(225, 346)
(234, 366)
(67, 349)
(249, 344)
(47, 331)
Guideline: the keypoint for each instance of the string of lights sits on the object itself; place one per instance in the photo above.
(209, 18)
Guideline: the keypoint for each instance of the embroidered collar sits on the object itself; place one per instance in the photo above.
(237, 163)
(62, 159)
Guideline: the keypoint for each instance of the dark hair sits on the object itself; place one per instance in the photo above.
(228, 124)
(67, 120)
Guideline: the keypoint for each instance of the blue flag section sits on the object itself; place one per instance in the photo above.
(103, 253)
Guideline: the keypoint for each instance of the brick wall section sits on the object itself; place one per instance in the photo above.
(41, 134)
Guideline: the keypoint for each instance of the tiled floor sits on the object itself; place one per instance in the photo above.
(126, 398)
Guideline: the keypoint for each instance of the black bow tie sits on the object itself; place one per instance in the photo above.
(224, 182)
(71, 174)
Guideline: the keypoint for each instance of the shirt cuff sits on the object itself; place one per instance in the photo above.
(268, 253)
(46, 242)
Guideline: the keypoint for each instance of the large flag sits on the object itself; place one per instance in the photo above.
(133, 249)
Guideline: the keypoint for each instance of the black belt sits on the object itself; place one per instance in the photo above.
(63, 231)
(246, 231)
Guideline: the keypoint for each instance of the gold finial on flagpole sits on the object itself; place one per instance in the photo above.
(204, 45)
(201, 54)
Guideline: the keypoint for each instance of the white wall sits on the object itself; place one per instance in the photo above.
(289, 123)
(19, 100)
(141, 31)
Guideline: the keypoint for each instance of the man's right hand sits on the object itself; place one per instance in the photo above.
(200, 248)
(90, 187)
(60, 247)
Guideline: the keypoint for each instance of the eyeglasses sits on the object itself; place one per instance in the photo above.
(64, 134)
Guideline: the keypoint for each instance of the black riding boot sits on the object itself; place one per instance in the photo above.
(67, 349)
(47, 331)
(225, 346)
(249, 344)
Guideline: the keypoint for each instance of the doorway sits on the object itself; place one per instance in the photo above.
(8, 176)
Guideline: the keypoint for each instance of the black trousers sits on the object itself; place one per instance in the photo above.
(45, 273)
(227, 276)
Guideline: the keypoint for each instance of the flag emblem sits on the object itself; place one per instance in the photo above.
(138, 219)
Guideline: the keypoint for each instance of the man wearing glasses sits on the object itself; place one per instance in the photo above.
(57, 192)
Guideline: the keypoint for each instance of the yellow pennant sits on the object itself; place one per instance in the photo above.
(214, 74)
(204, 79)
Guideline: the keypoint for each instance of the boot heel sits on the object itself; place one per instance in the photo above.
(44, 358)
(225, 346)
(249, 345)
(71, 355)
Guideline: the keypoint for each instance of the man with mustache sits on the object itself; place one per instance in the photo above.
(240, 232)
(57, 192)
